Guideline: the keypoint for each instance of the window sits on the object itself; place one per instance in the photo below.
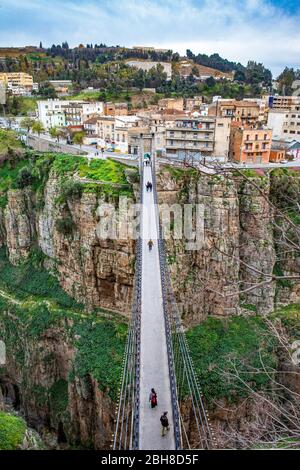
(256, 136)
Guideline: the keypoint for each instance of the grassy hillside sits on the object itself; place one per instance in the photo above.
(36, 303)
(221, 347)
(37, 167)
(9, 141)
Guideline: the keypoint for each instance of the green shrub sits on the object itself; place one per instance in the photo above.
(59, 397)
(12, 431)
(24, 178)
(65, 225)
(70, 189)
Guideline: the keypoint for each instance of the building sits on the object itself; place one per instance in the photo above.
(285, 123)
(112, 131)
(90, 127)
(193, 104)
(115, 109)
(245, 112)
(140, 139)
(77, 112)
(294, 150)
(277, 153)
(18, 83)
(171, 104)
(282, 102)
(60, 113)
(147, 65)
(198, 137)
(61, 86)
(51, 113)
(249, 144)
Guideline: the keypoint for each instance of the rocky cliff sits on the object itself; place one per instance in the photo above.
(238, 249)
(95, 271)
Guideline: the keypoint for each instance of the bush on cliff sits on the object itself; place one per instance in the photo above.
(12, 431)
(224, 348)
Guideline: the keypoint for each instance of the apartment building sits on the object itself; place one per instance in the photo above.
(244, 112)
(59, 113)
(77, 112)
(171, 104)
(112, 131)
(249, 144)
(115, 109)
(18, 83)
(51, 114)
(285, 123)
(198, 137)
(193, 104)
(282, 102)
(140, 139)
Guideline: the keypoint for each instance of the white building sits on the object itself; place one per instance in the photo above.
(60, 113)
(51, 114)
(285, 124)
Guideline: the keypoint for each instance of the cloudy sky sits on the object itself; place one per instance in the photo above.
(263, 30)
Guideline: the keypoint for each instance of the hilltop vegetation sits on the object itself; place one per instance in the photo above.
(105, 68)
(22, 168)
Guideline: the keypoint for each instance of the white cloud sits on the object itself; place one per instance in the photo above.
(237, 29)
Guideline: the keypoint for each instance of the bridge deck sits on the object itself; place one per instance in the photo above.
(154, 359)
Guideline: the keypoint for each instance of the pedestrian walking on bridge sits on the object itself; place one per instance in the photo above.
(150, 244)
(164, 424)
(153, 398)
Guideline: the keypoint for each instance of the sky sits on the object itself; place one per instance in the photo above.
(263, 30)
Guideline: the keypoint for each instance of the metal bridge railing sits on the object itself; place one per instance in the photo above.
(191, 421)
(126, 434)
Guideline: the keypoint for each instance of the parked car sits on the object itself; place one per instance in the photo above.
(284, 161)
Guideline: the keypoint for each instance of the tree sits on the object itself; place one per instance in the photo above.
(27, 123)
(78, 138)
(210, 82)
(47, 90)
(38, 127)
(54, 132)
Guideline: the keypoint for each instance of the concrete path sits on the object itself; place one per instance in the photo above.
(154, 359)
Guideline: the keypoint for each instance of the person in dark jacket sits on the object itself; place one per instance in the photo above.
(164, 424)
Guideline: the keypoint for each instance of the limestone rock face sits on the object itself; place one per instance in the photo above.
(238, 247)
(19, 222)
(95, 271)
(77, 414)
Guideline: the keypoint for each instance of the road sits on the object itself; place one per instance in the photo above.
(154, 358)
(91, 151)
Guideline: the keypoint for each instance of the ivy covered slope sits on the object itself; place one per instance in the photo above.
(65, 363)
(221, 347)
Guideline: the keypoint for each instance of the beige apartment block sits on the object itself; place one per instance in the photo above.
(199, 137)
(17, 79)
(245, 112)
(249, 144)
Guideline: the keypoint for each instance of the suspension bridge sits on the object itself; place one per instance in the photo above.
(157, 354)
